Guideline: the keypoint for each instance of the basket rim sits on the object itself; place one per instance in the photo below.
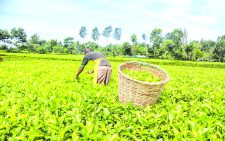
(144, 82)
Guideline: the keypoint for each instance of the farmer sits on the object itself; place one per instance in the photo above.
(102, 69)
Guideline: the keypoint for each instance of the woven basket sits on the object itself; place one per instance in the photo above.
(139, 92)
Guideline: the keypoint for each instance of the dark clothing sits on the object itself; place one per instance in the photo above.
(94, 56)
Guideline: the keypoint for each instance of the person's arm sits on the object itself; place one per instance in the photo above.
(79, 71)
(83, 64)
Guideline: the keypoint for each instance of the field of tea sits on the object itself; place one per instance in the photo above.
(41, 100)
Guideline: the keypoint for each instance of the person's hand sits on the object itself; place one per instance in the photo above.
(90, 72)
(76, 76)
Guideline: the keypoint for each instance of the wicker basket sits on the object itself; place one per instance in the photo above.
(139, 92)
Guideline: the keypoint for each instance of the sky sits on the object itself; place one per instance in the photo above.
(58, 19)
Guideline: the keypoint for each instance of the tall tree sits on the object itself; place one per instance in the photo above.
(34, 42)
(126, 49)
(133, 38)
(68, 41)
(176, 36)
(193, 50)
(185, 36)
(168, 45)
(4, 39)
(221, 37)
(156, 39)
(219, 50)
(83, 32)
(95, 34)
(50, 44)
(117, 34)
(4, 35)
(207, 45)
(19, 34)
(19, 38)
(34, 39)
(144, 37)
(107, 33)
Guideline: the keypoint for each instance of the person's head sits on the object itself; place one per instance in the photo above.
(86, 51)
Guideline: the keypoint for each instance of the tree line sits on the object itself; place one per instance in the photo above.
(172, 45)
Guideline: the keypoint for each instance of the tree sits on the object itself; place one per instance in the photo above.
(168, 46)
(139, 50)
(144, 37)
(68, 41)
(83, 32)
(193, 50)
(134, 38)
(219, 50)
(221, 38)
(107, 33)
(95, 34)
(176, 36)
(57, 49)
(117, 34)
(207, 45)
(34, 42)
(34, 39)
(185, 36)
(156, 39)
(4, 35)
(4, 39)
(116, 50)
(50, 44)
(40, 49)
(19, 38)
(19, 34)
(126, 49)
(91, 45)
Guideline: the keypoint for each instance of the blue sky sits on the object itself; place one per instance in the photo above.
(58, 19)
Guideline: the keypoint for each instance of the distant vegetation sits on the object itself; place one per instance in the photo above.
(173, 45)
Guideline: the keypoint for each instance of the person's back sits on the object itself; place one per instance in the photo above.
(102, 69)
(94, 56)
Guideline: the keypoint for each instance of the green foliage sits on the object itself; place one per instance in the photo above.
(126, 48)
(40, 100)
(95, 34)
(176, 36)
(34, 39)
(139, 50)
(40, 49)
(91, 45)
(68, 41)
(111, 50)
(117, 33)
(133, 38)
(4, 35)
(58, 49)
(174, 45)
(107, 32)
(83, 32)
(144, 37)
(156, 39)
(193, 50)
(207, 45)
(19, 34)
(141, 75)
(219, 50)
(169, 45)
